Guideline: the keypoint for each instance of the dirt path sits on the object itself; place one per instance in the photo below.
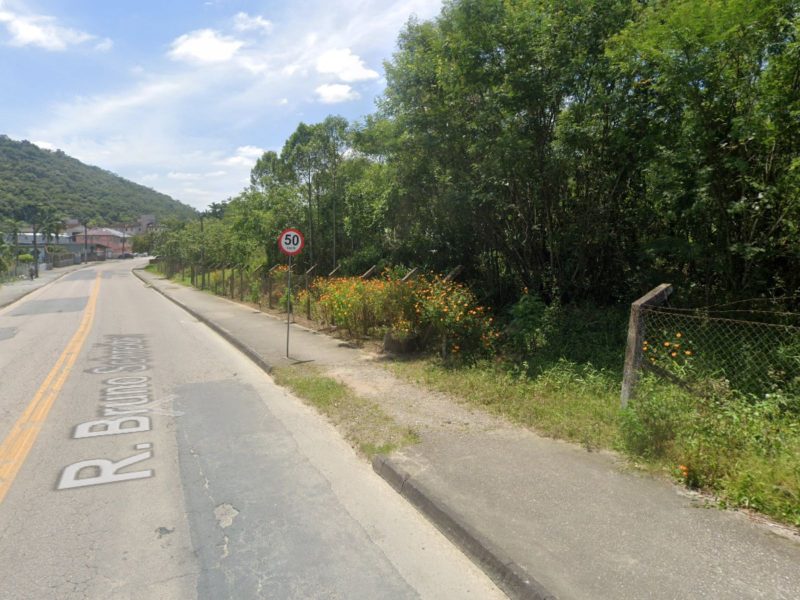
(414, 406)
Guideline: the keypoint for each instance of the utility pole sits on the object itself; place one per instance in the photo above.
(202, 253)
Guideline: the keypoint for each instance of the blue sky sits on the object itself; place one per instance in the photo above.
(183, 96)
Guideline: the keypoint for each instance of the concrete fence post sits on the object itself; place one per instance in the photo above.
(269, 285)
(633, 350)
(308, 293)
(370, 272)
(454, 273)
(410, 275)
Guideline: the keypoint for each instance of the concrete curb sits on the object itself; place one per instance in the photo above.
(244, 348)
(508, 575)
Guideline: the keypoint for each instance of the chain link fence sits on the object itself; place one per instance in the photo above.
(751, 350)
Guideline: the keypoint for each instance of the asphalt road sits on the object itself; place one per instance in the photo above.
(143, 457)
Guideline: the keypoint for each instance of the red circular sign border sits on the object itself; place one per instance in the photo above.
(302, 241)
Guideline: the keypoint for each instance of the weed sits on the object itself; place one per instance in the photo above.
(364, 423)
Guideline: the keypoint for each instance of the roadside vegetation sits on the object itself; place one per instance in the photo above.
(365, 424)
(570, 157)
(556, 370)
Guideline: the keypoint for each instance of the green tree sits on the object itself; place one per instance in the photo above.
(36, 215)
(718, 83)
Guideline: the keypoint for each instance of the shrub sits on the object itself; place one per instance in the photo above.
(450, 309)
(361, 306)
(428, 307)
(653, 420)
(531, 324)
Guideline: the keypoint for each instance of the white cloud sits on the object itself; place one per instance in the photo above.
(246, 156)
(254, 65)
(290, 70)
(196, 137)
(184, 176)
(44, 145)
(97, 110)
(204, 46)
(41, 31)
(244, 22)
(251, 151)
(345, 65)
(336, 92)
(180, 176)
(104, 45)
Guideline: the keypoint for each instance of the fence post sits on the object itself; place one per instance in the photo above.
(410, 275)
(269, 286)
(262, 275)
(633, 350)
(454, 273)
(370, 272)
(308, 294)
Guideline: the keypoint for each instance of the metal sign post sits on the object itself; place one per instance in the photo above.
(288, 305)
(291, 243)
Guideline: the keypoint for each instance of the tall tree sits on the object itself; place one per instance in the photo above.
(36, 215)
(719, 80)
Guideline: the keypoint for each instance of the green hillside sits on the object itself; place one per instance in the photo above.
(30, 174)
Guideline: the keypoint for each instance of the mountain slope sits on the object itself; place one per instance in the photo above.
(28, 173)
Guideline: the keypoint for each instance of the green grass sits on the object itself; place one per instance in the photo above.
(566, 401)
(561, 375)
(364, 423)
(747, 453)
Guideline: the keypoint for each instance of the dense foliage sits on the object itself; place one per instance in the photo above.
(569, 154)
(32, 176)
(582, 149)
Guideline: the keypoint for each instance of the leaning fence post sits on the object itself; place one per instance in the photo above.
(633, 350)
(308, 294)
(454, 273)
(269, 286)
(410, 275)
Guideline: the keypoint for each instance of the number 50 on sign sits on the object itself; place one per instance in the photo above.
(291, 242)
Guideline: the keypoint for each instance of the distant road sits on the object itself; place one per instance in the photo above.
(142, 457)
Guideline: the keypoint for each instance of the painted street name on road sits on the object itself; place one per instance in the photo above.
(125, 398)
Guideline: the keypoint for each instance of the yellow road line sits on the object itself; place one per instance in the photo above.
(15, 448)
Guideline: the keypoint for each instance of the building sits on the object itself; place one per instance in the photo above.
(103, 241)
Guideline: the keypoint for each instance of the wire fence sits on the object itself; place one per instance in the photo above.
(267, 287)
(753, 351)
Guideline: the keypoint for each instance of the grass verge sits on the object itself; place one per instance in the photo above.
(747, 453)
(566, 401)
(363, 422)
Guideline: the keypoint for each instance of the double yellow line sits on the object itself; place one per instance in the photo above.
(15, 448)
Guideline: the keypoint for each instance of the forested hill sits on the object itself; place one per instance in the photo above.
(30, 174)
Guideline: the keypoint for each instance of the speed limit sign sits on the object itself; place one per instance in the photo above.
(291, 242)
